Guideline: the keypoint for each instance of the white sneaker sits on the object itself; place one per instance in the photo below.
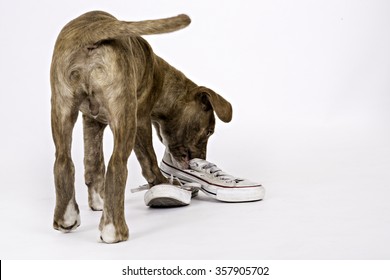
(214, 182)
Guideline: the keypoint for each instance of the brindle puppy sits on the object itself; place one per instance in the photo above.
(103, 68)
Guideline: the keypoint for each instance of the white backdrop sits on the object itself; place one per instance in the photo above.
(309, 82)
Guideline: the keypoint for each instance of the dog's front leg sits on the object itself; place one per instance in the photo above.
(145, 153)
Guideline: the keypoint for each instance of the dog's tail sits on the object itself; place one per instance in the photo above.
(96, 26)
(157, 26)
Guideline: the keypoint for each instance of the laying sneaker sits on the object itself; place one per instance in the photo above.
(214, 182)
(167, 195)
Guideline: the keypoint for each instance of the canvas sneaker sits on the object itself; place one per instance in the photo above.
(214, 182)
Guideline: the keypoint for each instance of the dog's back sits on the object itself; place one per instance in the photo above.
(81, 51)
(94, 51)
(93, 27)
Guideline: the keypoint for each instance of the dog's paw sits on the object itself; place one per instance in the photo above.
(112, 234)
(70, 219)
(95, 201)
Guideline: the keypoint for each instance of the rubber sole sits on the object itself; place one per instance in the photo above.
(235, 194)
(162, 196)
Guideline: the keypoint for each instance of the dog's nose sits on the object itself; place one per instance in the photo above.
(186, 156)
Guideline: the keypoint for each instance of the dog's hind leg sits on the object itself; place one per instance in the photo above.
(64, 113)
(122, 111)
(94, 161)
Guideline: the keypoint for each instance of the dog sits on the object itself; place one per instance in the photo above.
(103, 68)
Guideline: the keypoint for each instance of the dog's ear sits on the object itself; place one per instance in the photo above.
(211, 100)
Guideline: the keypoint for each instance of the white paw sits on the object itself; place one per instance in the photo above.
(96, 201)
(71, 219)
(108, 234)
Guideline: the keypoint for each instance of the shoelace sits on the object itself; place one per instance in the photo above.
(186, 186)
(214, 170)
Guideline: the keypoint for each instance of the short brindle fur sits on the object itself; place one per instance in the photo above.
(103, 68)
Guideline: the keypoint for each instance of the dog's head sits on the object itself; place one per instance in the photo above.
(186, 130)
